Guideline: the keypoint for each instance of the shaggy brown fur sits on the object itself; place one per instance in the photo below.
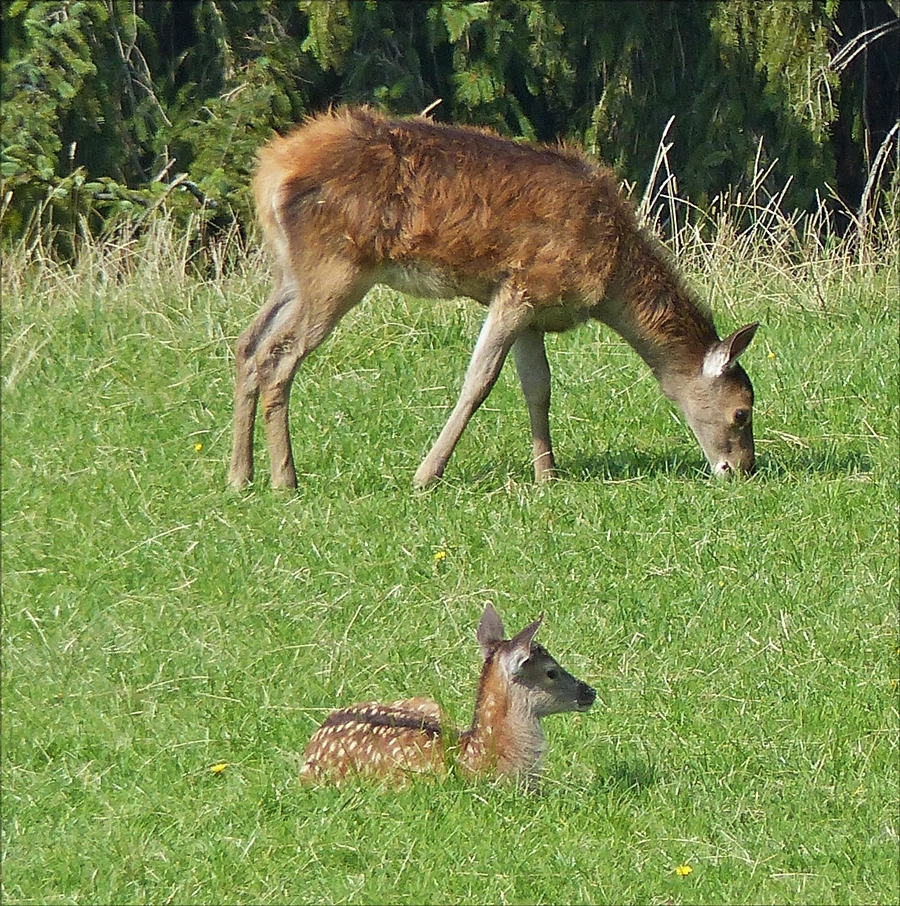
(540, 235)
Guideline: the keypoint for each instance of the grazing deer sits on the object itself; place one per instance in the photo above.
(539, 235)
(520, 683)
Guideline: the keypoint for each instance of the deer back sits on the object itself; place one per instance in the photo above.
(376, 740)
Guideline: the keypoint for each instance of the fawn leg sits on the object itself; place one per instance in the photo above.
(534, 376)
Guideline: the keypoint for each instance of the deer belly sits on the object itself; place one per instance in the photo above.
(560, 317)
(425, 281)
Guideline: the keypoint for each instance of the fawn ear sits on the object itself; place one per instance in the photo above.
(518, 649)
(490, 630)
(722, 355)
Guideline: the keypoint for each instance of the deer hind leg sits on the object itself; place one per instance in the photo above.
(534, 376)
(507, 315)
(246, 386)
(289, 328)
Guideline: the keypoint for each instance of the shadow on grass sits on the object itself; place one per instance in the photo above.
(829, 461)
(632, 465)
(823, 460)
(627, 775)
(629, 465)
(620, 466)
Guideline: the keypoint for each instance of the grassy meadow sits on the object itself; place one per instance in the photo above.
(742, 637)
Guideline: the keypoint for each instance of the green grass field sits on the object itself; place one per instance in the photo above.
(743, 637)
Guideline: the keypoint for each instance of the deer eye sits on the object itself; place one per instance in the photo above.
(552, 673)
(741, 417)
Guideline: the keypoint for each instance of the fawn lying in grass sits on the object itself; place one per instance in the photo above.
(520, 683)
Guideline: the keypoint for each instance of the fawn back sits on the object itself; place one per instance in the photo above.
(520, 683)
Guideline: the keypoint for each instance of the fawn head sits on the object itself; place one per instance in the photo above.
(535, 683)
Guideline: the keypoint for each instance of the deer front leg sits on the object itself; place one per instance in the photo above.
(504, 321)
(534, 376)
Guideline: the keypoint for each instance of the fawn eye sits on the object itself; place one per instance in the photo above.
(552, 673)
(741, 417)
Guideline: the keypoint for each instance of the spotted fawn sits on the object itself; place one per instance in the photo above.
(520, 683)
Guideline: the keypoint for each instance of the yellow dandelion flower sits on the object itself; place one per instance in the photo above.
(440, 556)
(218, 768)
(683, 871)
(198, 447)
(771, 355)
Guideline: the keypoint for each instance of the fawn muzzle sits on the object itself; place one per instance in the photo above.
(585, 697)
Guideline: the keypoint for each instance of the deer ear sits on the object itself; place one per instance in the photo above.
(519, 647)
(723, 355)
(490, 630)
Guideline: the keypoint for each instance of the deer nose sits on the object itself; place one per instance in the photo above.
(724, 469)
(586, 696)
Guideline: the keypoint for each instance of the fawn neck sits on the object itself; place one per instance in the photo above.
(505, 735)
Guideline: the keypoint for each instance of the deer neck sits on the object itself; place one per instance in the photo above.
(505, 736)
(656, 315)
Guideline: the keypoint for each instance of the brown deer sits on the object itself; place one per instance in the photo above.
(539, 235)
(520, 683)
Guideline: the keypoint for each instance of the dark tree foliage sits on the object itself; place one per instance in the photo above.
(112, 108)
